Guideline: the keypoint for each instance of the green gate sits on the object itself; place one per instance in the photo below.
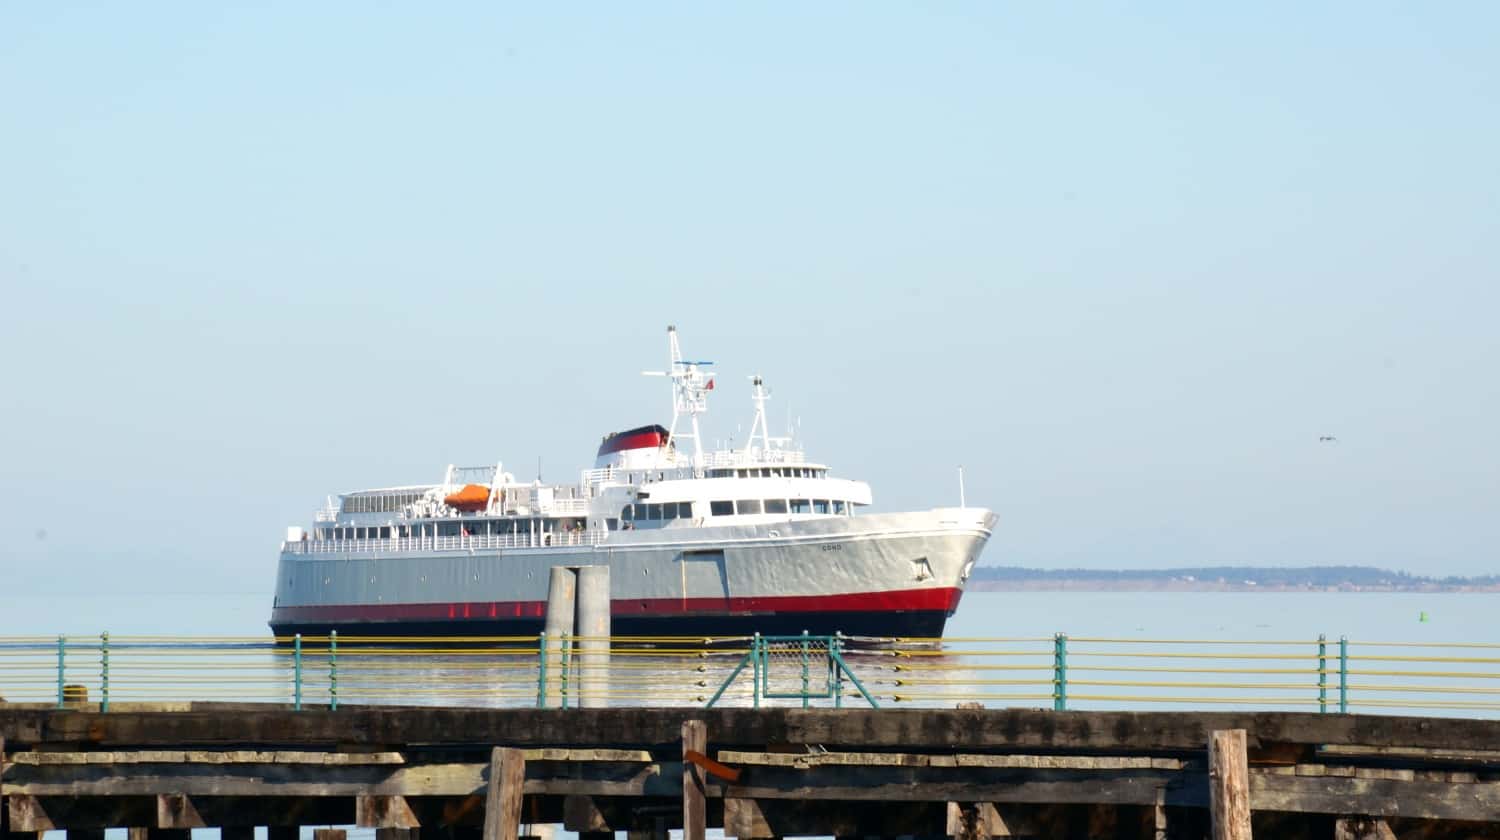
(804, 667)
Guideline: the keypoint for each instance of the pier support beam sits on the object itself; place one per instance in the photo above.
(593, 634)
(174, 810)
(694, 806)
(384, 812)
(502, 799)
(1362, 828)
(1229, 785)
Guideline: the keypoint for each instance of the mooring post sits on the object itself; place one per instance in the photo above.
(1060, 672)
(541, 670)
(1343, 675)
(755, 649)
(836, 666)
(1228, 785)
(333, 669)
(805, 700)
(502, 798)
(1322, 673)
(694, 806)
(104, 671)
(593, 636)
(297, 672)
(562, 591)
(62, 644)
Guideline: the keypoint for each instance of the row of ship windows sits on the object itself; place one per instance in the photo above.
(768, 472)
(378, 504)
(467, 528)
(656, 511)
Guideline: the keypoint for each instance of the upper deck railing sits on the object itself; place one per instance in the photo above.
(462, 542)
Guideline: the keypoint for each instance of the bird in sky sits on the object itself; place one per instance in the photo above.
(1327, 439)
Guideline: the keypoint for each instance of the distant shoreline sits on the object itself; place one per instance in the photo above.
(1223, 579)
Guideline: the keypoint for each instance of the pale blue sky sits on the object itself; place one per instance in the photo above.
(1125, 264)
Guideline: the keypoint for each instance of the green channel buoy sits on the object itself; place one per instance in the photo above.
(1422, 616)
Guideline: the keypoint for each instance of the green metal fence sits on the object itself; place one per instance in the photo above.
(1061, 672)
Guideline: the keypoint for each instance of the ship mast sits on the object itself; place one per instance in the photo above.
(690, 386)
(759, 394)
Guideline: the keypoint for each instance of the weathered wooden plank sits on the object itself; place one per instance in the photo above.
(330, 834)
(883, 759)
(1456, 756)
(384, 812)
(503, 792)
(599, 778)
(1478, 802)
(318, 758)
(962, 784)
(694, 806)
(1229, 785)
(658, 728)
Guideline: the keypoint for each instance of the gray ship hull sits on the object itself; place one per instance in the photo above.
(899, 574)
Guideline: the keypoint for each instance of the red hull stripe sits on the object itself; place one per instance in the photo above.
(648, 439)
(908, 600)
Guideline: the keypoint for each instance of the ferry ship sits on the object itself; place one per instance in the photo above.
(724, 542)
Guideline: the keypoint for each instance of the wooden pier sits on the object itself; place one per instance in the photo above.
(493, 773)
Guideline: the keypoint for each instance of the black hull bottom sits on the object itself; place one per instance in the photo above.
(915, 624)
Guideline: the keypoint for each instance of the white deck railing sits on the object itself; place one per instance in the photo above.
(557, 539)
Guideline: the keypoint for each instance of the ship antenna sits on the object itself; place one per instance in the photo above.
(691, 382)
(961, 486)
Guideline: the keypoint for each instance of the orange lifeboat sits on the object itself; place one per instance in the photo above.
(473, 497)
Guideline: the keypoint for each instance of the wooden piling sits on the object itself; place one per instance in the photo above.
(502, 800)
(694, 807)
(1229, 785)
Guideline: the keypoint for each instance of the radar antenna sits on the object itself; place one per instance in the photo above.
(691, 383)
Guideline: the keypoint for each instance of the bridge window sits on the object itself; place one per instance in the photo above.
(653, 512)
(820, 505)
(838, 507)
(775, 505)
(721, 508)
(800, 506)
(747, 506)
